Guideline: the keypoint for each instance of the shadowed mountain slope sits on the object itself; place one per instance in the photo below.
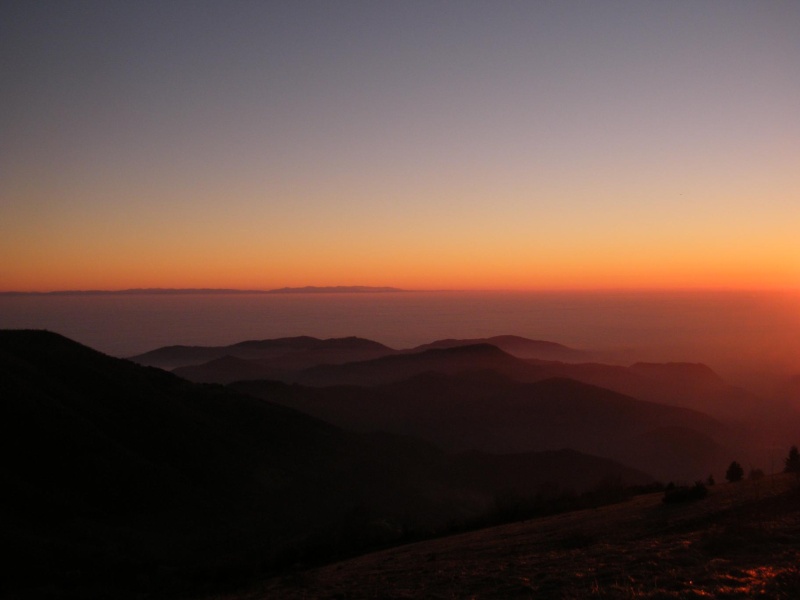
(285, 358)
(227, 369)
(96, 436)
(691, 385)
(292, 352)
(356, 365)
(518, 346)
(354, 361)
(390, 369)
(687, 385)
(483, 410)
(121, 475)
(109, 463)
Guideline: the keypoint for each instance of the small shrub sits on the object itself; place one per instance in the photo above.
(792, 462)
(646, 488)
(684, 493)
(734, 473)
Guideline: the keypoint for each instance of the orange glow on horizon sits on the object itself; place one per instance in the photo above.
(528, 151)
(436, 277)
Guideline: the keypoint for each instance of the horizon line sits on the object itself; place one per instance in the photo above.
(363, 289)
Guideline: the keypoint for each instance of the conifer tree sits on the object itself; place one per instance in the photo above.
(792, 462)
(735, 472)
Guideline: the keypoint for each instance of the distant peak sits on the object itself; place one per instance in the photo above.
(309, 289)
(676, 368)
(480, 349)
(337, 289)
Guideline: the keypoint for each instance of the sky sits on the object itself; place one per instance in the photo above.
(425, 145)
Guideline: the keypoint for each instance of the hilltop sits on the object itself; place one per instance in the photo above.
(335, 289)
(504, 394)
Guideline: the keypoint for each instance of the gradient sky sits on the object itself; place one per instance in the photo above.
(418, 144)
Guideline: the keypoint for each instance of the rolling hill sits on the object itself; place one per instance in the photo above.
(293, 352)
(125, 478)
(285, 358)
(355, 361)
(518, 346)
(486, 411)
(462, 417)
(690, 385)
(399, 367)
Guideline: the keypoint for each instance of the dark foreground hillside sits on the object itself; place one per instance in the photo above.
(120, 480)
(742, 541)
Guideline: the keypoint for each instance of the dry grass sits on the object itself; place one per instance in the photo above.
(742, 541)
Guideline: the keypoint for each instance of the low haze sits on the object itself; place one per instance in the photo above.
(426, 145)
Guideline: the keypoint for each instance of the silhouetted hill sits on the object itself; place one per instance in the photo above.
(284, 358)
(356, 361)
(309, 360)
(336, 289)
(483, 410)
(515, 345)
(690, 385)
(121, 478)
(230, 368)
(696, 373)
(310, 289)
(686, 385)
(116, 437)
(399, 367)
(97, 446)
(293, 352)
(753, 424)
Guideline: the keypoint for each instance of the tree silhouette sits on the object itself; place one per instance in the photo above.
(684, 493)
(735, 472)
(792, 462)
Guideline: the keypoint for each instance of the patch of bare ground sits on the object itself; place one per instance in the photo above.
(742, 541)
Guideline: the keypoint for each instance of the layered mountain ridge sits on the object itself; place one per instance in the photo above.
(110, 466)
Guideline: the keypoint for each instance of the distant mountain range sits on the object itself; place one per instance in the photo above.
(352, 376)
(281, 353)
(120, 476)
(304, 352)
(520, 347)
(339, 289)
(357, 361)
(484, 410)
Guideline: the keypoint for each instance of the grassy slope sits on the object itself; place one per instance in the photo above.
(740, 542)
